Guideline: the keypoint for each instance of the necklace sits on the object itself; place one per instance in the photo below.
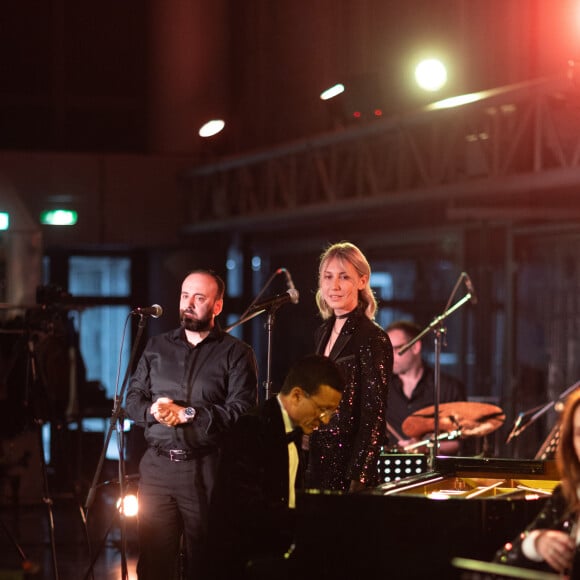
(341, 316)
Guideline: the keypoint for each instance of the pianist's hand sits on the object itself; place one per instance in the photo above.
(557, 549)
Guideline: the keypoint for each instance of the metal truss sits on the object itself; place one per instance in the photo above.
(516, 139)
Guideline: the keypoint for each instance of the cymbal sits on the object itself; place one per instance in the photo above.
(470, 419)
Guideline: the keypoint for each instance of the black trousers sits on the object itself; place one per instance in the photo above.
(174, 500)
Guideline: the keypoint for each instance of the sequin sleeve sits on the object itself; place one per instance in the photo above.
(554, 515)
(375, 370)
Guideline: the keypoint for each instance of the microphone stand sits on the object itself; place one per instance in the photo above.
(439, 330)
(117, 418)
(269, 325)
(527, 418)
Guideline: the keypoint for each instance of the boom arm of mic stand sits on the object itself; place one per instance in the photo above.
(269, 326)
(244, 319)
(537, 414)
(532, 419)
(436, 321)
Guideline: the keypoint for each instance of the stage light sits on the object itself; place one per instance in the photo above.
(431, 74)
(332, 92)
(456, 101)
(130, 505)
(4, 220)
(59, 217)
(211, 128)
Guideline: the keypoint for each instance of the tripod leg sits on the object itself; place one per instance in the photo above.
(46, 499)
(13, 541)
(28, 566)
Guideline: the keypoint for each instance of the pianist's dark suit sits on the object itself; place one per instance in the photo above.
(249, 516)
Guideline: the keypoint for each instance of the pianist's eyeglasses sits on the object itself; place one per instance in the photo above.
(323, 413)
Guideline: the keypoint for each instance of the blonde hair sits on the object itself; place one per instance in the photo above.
(347, 252)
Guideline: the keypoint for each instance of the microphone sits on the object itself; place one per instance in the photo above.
(515, 429)
(290, 295)
(289, 282)
(470, 288)
(155, 311)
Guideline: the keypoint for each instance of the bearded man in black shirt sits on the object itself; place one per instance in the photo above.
(190, 386)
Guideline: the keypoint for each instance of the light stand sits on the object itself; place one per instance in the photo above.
(439, 330)
(32, 381)
(117, 420)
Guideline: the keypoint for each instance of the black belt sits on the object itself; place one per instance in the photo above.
(177, 454)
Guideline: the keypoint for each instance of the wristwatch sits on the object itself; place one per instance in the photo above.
(189, 413)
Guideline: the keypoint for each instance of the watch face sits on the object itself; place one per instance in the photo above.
(190, 413)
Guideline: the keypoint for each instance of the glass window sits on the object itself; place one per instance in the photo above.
(101, 328)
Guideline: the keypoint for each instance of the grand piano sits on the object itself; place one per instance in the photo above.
(413, 528)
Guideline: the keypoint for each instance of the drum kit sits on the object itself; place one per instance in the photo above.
(457, 420)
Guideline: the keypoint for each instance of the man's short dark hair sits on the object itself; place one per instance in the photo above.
(221, 285)
(411, 329)
(312, 371)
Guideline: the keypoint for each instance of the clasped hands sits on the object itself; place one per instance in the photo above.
(167, 412)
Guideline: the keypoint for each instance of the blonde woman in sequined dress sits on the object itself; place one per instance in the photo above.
(343, 455)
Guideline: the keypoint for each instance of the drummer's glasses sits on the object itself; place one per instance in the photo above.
(323, 413)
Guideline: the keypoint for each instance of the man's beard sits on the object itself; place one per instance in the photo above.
(197, 324)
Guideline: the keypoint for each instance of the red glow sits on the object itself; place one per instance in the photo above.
(356, 115)
(378, 113)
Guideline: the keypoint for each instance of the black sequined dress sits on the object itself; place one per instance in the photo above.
(348, 447)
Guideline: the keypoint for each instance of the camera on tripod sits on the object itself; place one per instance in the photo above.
(50, 313)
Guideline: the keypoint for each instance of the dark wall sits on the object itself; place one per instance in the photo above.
(135, 75)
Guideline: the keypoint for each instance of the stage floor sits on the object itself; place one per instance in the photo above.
(29, 527)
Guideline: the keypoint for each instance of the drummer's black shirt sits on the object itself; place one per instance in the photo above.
(399, 407)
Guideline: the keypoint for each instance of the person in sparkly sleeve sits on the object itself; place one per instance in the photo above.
(550, 543)
(343, 455)
(190, 386)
